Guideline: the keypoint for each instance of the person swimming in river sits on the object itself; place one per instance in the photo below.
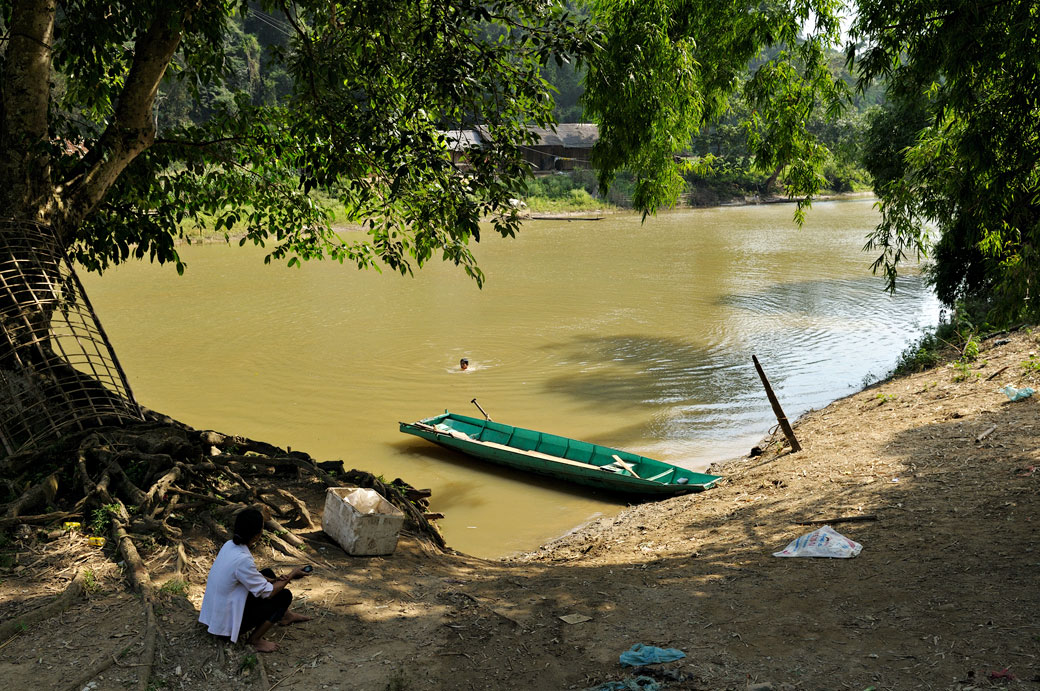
(239, 598)
(464, 363)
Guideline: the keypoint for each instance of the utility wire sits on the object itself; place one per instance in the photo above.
(272, 22)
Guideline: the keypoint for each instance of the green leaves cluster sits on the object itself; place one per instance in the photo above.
(373, 96)
(668, 68)
(956, 153)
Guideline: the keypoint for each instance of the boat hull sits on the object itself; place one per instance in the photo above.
(558, 457)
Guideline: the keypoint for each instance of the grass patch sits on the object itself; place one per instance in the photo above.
(249, 662)
(175, 587)
(574, 191)
(90, 582)
(102, 519)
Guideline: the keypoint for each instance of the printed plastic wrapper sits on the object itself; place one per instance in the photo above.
(825, 542)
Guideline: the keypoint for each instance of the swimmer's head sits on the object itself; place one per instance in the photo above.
(464, 363)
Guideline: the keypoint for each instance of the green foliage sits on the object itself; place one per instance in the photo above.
(101, 519)
(90, 582)
(566, 81)
(357, 100)
(175, 587)
(971, 349)
(928, 351)
(248, 663)
(962, 371)
(573, 191)
(669, 67)
(560, 185)
(1032, 365)
(956, 153)
(923, 354)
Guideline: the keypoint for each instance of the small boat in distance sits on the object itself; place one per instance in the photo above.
(559, 457)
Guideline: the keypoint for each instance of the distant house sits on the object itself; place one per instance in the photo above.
(460, 142)
(568, 148)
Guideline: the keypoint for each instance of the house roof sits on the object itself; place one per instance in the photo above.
(573, 135)
(463, 139)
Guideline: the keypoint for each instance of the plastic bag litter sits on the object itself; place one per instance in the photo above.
(629, 684)
(1014, 394)
(639, 655)
(825, 542)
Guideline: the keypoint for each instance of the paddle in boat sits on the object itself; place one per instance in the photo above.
(559, 457)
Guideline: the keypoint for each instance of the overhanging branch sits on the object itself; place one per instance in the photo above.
(132, 129)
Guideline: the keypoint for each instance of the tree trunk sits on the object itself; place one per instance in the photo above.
(771, 181)
(45, 387)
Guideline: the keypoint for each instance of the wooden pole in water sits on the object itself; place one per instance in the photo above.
(486, 416)
(777, 410)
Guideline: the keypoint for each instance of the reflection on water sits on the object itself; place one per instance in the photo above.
(632, 335)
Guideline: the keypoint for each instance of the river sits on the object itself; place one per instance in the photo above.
(632, 335)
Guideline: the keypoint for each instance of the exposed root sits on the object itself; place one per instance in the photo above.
(99, 667)
(56, 606)
(35, 495)
(150, 483)
(301, 508)
(182, 562)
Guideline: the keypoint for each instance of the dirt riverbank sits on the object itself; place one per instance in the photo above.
(944, 595)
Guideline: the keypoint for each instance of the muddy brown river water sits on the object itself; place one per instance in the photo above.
(632, 335)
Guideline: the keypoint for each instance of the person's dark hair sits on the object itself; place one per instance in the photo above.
(248, 524)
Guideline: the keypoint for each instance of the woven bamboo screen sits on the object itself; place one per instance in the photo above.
(58, 372)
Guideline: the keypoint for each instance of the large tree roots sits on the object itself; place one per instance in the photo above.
(151, 486)
(53, 608)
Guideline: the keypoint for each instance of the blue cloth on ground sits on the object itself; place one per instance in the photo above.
(639, 683)
(639, 655)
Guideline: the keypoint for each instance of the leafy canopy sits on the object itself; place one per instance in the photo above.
(671, 67)
(376, 86)
(955, 154)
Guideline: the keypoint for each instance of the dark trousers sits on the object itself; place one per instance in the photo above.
(261, 609)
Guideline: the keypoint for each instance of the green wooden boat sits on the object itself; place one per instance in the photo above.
(558, 457)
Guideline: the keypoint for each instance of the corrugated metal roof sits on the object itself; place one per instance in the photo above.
(573, 135)
(463, 139)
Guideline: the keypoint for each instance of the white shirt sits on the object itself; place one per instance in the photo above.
(232, 577)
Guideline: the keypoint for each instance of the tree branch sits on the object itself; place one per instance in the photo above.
(132, 129)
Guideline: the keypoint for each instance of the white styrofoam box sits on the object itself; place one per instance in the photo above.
(361, 520)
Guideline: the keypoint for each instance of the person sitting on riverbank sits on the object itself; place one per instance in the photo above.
(240, 598)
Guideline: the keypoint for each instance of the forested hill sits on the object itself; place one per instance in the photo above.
(252, 75)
